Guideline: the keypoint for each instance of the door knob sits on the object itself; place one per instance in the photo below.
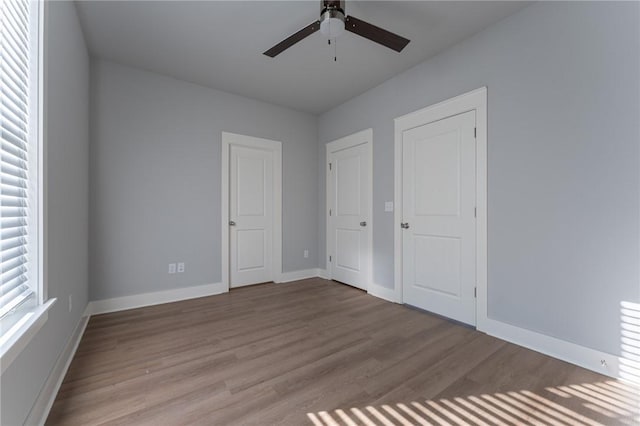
(232, 223)
(404, 225)
(363, 223)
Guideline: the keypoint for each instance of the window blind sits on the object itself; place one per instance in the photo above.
(15, 287)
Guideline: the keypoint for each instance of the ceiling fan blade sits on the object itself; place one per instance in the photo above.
(293, 39)
(377, 34)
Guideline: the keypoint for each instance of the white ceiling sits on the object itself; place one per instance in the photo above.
(219, 44)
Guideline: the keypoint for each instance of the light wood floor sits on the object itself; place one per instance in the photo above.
(318, 352)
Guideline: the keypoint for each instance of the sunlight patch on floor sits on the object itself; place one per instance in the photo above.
(601, 404)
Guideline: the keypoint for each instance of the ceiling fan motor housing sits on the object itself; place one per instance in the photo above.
(328, 5)
(332, 18)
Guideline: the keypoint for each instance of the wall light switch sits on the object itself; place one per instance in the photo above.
(306, 254)
(388, 206)
(180, 267)
(172, 268)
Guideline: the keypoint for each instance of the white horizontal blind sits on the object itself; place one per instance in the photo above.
(15, 77)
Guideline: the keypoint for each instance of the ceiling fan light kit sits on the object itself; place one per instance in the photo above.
(333, 22)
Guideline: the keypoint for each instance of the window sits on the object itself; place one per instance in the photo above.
(21, 292)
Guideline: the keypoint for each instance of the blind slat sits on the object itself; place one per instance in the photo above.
(13, 161)
(13, 211)
(12, 10)
(12, 222)
(11, 149)
(10, 285)
(13, 274)
(13, 101)
(10, 162)
(10, 46)
(10, 132)
(15, 30)
(13, 254)
(15, 107)
(12, 233)
(24, 11)
(13, 69)
(12, 289)
(12, 181)
(12, 243)
(15, 43)
(13, 140)
(16, 85)
(14, 119)
(14, 298)
(14, 202)
(10, 191)
(16, 262)
(10, 170)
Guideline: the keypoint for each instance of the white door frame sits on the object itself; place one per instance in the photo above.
(474, 100)
(229, 139)
(363, 137)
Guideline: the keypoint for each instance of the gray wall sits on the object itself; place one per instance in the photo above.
(563, 207)
(67, 138)
(155, 179)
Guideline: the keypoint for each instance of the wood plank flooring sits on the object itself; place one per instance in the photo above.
(315, 352)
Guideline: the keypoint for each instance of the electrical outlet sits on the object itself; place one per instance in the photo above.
(180, 267)
(306, 254)
(70, 302)
(172, 268)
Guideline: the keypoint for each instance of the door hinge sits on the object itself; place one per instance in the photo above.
(475, 292)
(475, 212)
(329, 258)
(475, 132)
(329, 212)
(329, 166)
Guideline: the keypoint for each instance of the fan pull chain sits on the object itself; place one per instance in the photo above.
(335, 48)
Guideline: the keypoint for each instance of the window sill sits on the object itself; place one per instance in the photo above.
(20, 334)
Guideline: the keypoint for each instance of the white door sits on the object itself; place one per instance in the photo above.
(349, 202)
(250, 215)
(439, 235)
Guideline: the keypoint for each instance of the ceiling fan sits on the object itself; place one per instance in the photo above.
(334, 22)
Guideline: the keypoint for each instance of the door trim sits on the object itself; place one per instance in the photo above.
(363, 137)
(470, 101)
(229, 139)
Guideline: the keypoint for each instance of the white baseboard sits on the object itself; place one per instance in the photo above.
(591, 359)
(154, 298)
(298, 275)
(385, 293)
(323, 273)
(40, 410)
